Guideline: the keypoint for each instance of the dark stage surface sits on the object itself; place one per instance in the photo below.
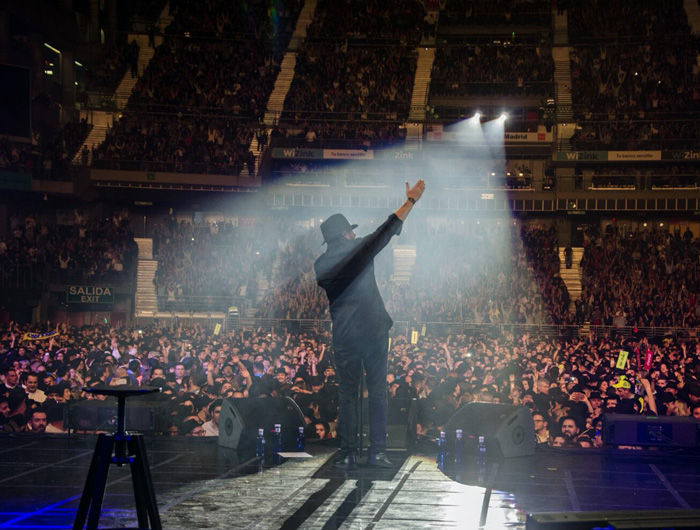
(200, 485)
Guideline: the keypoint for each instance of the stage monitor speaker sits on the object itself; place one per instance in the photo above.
(662, 431)
(242, 417)
(508, 430)
(620, 520)
(95, 415)
(401, 423)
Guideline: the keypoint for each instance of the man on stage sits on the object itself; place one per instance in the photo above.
(360, 324)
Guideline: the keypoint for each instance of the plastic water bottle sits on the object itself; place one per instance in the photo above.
(277, 444)
(301, 439)
(481, 456)
(458, 447)
(260, 446)
(441, 446)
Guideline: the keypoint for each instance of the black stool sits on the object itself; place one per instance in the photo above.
(119, 448)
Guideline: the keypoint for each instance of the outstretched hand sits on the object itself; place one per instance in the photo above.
(416, 192)
(413, 194)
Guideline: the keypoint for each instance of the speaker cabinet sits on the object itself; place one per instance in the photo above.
(662, 431)
(508, 430)
(242, 417)
(401, 420)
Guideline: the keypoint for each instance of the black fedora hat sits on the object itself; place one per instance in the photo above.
(335, 225)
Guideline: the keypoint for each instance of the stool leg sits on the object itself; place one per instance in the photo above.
(98, 492)
(140, 493)
(144, 472)
(89, 487)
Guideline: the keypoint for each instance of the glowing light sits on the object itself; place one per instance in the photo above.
(477, 116)
(52, 48)
(503, 117)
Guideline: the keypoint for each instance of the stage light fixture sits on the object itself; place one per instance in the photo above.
(504, 116)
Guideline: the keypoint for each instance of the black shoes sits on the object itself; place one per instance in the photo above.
(345, 461)
(381, 460)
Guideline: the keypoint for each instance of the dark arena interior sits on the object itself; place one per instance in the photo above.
(216, 311)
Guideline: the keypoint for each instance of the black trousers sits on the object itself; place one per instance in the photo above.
(372, 354)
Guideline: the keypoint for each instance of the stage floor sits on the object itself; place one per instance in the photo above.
(200, 485)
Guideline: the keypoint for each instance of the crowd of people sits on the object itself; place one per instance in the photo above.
(491, 273)
(642, 278)
(354, 74)
(341, 82)
(206, 267)
(485, 273)
(482, 69)
(567, 383)
(45, 159)
(372, 20)
(634, 75)
(110, 70)
(496, 12)
(195, 144)
(84, 249)
(198, 104)
(665, 176)
(350, 134)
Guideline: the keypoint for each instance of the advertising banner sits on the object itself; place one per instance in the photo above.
(294, 153)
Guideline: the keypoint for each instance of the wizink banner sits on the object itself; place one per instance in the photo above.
(692, 154)
(347, 154)
(89, 294)
(297, 154)
(292, 153)
(609, 156)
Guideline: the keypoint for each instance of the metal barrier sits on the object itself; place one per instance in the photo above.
(473, 328)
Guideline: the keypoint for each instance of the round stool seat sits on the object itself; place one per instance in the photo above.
(122, 390)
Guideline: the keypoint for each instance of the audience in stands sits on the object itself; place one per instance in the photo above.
(116, 62)
(644, 278)
(343, 83)
(207, 267)
(200, 100)
(496, 13)
(46, 160)
(481, 69)
(370, 20)
(476, 281)
(85, 250)
(635, 76)
(354, 75)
